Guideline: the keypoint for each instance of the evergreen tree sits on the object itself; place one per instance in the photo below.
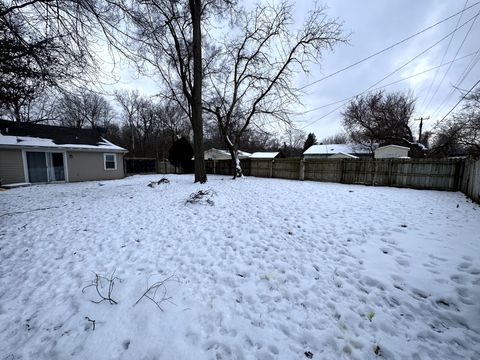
(311, 140)
(180, 154)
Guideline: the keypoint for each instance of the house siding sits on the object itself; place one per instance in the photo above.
(11, 166)
(86, 166)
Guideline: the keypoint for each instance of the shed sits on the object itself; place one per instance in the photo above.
(33, 153)
(391, 151)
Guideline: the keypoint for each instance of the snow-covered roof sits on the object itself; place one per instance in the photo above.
(393, 146)
(227, 153)
(344, 155)
(27, 135)
(330, 149)
(33, 142)
(264, 155)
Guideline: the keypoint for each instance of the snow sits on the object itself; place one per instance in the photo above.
(263, 155)
(330, 149)
(272, 269)
(27, 141)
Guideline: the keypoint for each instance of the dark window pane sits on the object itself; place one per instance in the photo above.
(37, 167)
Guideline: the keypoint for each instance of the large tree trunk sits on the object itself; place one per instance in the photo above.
(197, 122)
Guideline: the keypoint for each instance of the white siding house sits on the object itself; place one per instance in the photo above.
(391, 151)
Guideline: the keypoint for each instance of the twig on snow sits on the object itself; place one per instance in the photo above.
(152, 290)
(97, 283)
(92, 321)
(201, 196)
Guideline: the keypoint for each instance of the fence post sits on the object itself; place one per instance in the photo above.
(301, 172)
(342, 171)
(271, 168)
(459, 170)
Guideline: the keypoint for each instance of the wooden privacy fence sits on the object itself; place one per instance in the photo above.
(140, 165)
(434, 174)
(470, 179)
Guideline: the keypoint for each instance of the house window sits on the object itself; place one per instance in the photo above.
(110, 161)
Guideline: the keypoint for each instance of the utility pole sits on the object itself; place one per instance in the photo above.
(421, 126)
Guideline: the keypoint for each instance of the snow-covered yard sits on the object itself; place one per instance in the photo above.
(273, 269)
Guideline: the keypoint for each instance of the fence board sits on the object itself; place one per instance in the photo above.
(433, 174)
(470, 179)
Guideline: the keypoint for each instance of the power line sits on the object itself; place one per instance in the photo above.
(396, 70)
(392, 83)
(462, 77)
(456, 54)
(389, 47)
(443, 58)
(459, 101)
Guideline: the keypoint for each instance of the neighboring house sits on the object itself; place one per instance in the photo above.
(339, 150)
(32, 153)
(391, 151)
(267, 155)
(216, 154)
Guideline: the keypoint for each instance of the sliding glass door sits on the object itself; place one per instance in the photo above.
(45, 167)
(37, 167)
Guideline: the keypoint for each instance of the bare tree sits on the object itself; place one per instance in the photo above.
(129, 102)
(339, 138)
(380, 119)
(461, 132)
(168, 41)
(45, 44)
(85, 109)
(252, 84)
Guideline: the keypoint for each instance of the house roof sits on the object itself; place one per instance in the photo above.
(331, 149)
(16, 134)
(393, 146)
(342, 154)
(226, 153)
(264, 155)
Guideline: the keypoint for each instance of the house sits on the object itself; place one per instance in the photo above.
(265, 155)
(339, 150)
(216, 154)
(391, 151)
(33, 153)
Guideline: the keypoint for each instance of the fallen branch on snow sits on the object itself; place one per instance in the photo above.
(154, 184)
(152, 292)
(201, 196)
(97, 283)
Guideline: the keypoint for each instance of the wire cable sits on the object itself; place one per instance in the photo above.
(389, 84)
(388, 48)
(461, 99)
(396, 70)
(456, 54)
(443, 58)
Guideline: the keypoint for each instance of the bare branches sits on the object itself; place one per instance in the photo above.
(201, 196)
(380, 119)
(99, 283)
(157, 292)
(253, 77)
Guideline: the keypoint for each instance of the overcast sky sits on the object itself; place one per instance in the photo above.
(374, 25)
